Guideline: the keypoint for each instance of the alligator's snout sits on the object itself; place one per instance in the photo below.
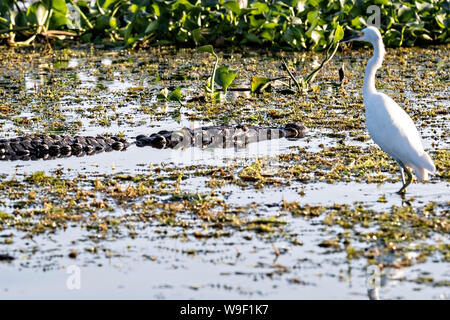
(295, 130)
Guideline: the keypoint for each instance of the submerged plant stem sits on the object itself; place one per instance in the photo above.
(327, 59)
(213, 75)
(292, 76)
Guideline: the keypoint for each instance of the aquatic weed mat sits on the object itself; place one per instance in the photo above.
(279, 219)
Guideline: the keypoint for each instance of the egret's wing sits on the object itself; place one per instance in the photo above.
(394, 131)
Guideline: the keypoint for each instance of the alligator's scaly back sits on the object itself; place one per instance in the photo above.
(49, 147)
(219, 136)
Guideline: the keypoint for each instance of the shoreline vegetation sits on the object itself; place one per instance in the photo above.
(280, 25)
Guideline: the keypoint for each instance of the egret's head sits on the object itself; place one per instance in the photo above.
(369, 34)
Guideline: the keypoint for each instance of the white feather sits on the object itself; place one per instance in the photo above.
(388, 124)
(393, 130)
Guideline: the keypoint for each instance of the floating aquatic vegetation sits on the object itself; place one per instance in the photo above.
(226, 211)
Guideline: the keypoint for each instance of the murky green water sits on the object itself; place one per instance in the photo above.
(312, 220)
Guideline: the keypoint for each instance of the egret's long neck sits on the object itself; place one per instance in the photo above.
(372, 65)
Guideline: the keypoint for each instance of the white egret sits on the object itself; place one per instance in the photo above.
(389, 126)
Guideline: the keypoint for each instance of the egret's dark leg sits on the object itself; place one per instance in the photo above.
(408, 180)
(400, 165)
(403, 174)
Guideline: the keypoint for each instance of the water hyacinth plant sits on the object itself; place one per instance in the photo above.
(282, 24)
(222, 76)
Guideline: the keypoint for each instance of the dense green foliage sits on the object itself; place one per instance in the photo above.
(279, 23)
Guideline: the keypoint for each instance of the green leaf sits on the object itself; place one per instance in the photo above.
(59, 6)
(130, 40)
(155, 7)
(260, 8)
(37, 13)
(440, 19)
(224, 77)
(258, 83)
(256, 23)
(113, 23)
(358, 22)
(233, 6)
(152, 26)
(270, 25)
(134, 8)
(406, 14)
(196, 35)
(216, 96)
(313, 3)
(338, 34)
(312, 16)
(267, 34)
(208, 48)
(101, 22)
(58, 19)
(184, 3)
(288, 36)
(175, 95)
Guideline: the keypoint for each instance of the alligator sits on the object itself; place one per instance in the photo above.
(219, 136)
(47, 147)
